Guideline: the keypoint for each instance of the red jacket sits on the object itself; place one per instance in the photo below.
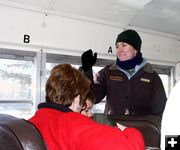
(67, 130)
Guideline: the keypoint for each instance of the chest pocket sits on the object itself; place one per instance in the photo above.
(143, 90)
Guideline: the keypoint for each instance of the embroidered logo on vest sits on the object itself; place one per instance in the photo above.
(116, 78)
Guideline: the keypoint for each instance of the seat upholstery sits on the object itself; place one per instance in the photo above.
(19, 134)
(148, 125)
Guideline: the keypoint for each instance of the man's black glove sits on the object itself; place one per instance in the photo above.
(88, 60)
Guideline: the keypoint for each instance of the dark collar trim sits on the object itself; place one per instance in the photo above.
(54, 106)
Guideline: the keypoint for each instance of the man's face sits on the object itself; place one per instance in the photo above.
(124, 51)
(88, 110)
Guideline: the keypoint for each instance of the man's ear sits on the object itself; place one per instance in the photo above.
(76, 104)
(135, 52)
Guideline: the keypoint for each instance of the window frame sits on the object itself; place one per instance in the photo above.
(39, 73)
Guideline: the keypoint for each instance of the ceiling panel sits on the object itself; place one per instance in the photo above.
(157, 15)
(160, 15)
(19, 3)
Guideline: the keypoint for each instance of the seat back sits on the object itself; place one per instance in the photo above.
(19, 134)
(148, 125)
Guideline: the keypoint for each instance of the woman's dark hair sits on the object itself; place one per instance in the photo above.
(90, 97)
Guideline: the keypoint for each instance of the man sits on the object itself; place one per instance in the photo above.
(130, 84)
(89, 105)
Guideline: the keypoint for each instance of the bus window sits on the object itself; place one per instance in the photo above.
(165, 81)
(17, 79)
(15, 87)
(16, 82)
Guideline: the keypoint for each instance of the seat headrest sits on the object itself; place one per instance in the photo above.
(20, 134)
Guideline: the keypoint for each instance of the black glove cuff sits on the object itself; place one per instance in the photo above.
(86, 68)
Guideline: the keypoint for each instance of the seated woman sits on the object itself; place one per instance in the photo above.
(62, 125)
(87, 111)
